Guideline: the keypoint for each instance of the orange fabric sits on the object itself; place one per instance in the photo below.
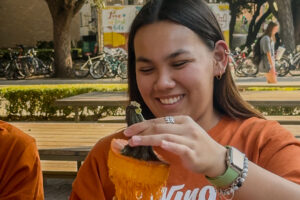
(20, 169)
(265, 143)
(133, 177)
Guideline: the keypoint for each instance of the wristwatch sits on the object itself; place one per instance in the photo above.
(235, 165)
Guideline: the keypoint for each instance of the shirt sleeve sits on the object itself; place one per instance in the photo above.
(265, 44)
(23, 178)
(87, 184)
(280, 153)
(92, 181)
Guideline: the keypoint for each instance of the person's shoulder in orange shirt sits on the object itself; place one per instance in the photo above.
(20, 168)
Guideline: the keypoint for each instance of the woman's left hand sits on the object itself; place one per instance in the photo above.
(185, 138)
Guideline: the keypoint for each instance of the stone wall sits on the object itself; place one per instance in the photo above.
(28, 21)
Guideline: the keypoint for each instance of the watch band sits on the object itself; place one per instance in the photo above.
(234, 161)
(224, 180)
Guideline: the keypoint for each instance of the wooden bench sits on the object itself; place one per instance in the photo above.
(272, 98)
(64, 146)
(285, 120)
(70, 143)
(112, 119)
(77, 154)
(94, 99)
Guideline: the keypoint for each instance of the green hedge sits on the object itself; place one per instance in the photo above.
(37, 102)
(279, 110)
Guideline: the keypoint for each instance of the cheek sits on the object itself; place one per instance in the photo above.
(144, 85)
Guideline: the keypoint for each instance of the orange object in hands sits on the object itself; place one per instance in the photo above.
(133, 178)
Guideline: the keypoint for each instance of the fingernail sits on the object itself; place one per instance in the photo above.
(126, 132)
(136, 139)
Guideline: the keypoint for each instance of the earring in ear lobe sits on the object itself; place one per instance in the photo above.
(219, 76)
(227, 52)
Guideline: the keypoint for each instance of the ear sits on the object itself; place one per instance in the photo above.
(220, 55)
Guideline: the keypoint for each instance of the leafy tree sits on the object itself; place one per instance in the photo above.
(287, 15)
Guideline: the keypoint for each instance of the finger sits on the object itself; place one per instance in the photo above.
(154, 129)
(154, 126)
(156, 140)
(181, 150)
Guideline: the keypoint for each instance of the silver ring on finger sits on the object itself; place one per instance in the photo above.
(169, 120)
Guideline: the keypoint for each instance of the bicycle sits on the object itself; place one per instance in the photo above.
(242, 64)
(289, 63)
(16, 68)
(37, 66)
(112, 62)
(82, 67)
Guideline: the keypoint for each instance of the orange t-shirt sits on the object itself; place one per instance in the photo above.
(20, 170)
(265, 143)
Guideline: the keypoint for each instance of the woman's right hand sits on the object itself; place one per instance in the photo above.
(185, 138)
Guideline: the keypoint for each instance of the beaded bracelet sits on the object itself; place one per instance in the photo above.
(236, 184)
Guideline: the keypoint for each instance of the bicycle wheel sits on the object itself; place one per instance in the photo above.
(98, 69)
(50, 67)
(249, 68)
(22, 71)
(238, 71)
(80, 70)
(282, 67)
(112, 70)
(13, 71)
(122, 69)
(3, 65)
(295, 68)
(9, 71)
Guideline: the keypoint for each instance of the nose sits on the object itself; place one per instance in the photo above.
(165, 80)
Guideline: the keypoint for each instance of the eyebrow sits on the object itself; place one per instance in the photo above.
(172, 55)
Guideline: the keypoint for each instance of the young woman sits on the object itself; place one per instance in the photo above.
(178, 73)
(267, 49)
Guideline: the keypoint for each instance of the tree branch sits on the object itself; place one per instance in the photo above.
(54, 6)
(78, 5)
(271, 6)
(254, 27)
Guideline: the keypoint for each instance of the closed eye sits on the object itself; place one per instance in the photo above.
(146, 69)
(180, 63)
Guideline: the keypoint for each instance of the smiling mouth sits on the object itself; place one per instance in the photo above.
(171, 100)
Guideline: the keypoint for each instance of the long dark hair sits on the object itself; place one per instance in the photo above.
(269, 30)
(197, 16)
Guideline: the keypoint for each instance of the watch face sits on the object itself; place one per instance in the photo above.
(237, 159)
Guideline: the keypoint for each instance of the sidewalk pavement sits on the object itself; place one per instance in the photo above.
(57, 189)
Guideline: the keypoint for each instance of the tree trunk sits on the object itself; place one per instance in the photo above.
(285, 18)
(233, 13)
(256, 24)
(62, 12)
(296, 18)
(62, 45)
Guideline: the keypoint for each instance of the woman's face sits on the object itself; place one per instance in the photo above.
(174, 71)
(275, 30)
